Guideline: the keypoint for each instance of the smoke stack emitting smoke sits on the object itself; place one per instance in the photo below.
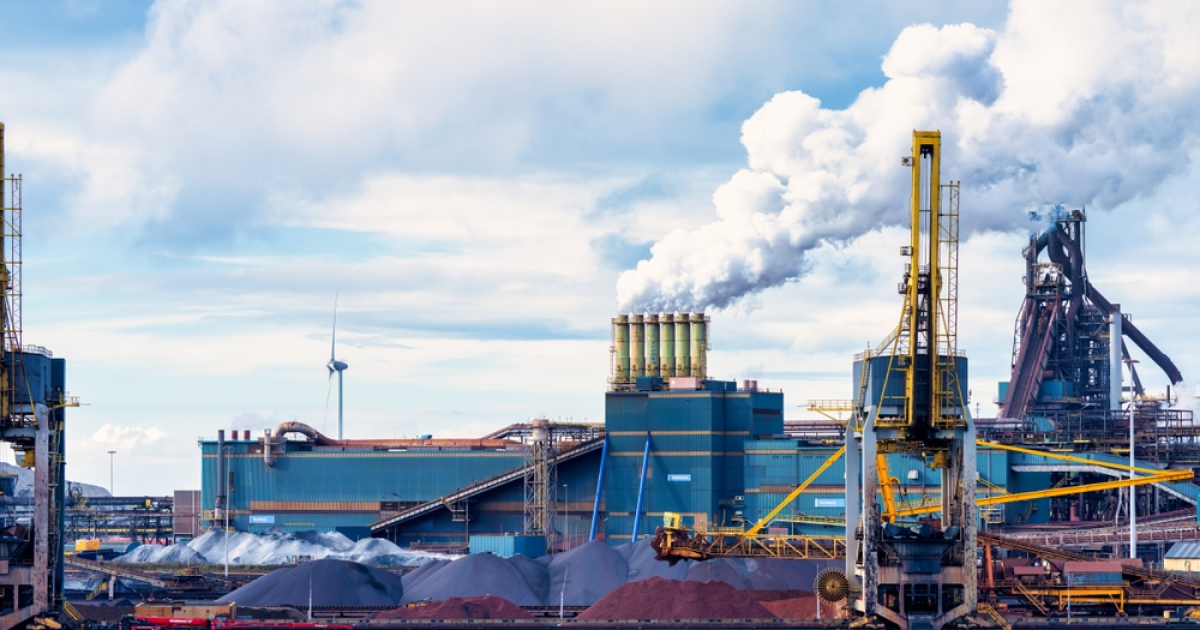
(1083, 103)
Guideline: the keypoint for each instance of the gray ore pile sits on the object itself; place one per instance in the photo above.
(579, 577)
(328, 582)
(584, 575)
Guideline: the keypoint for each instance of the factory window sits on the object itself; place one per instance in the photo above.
(920, 598)
(889, 597)
(952, 595)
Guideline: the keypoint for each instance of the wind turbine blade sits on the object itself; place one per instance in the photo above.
(328, 389)
(333, 343)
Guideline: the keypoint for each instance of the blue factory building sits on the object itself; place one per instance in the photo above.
(316, 483)
(310, 487)
(696, 457)
(720, 455)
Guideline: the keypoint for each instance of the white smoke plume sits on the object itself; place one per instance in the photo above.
(1082, 103)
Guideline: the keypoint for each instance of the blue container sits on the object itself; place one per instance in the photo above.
(1055, 390)
(648, 383)
(508, 546)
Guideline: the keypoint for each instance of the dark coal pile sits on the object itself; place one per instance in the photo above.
(421, 572)
(585, 574)
(474, 575)
(331, 583)
(536, 575)
(728, 570)
(642, 564)
(656, 598)
(777, 574)
(485, 607)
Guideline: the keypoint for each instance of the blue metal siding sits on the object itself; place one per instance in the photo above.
(696, 433)
(407, 476)
(38, 382)
(1111, 578)
(880, 377)
(302, 476)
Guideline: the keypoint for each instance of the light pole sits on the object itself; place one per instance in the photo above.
(226, 532)
(1132, 489)
(562, 595)
(1068, 574)
(567, 522)
(111, 467)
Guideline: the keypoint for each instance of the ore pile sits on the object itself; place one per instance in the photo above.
(485, 607)
(278, 547)
(474, 575)
(657, 598)
(586, 574)
(160, 554)
(795, 604)
(327, 582)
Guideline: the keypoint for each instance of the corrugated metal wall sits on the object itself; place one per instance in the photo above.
(706, 450)
(697, 458)
(327, 489)
(408, 476)
(880, 377)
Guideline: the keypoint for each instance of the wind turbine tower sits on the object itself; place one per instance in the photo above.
(336, 366)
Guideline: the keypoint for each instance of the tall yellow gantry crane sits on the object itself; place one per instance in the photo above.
(911, 400)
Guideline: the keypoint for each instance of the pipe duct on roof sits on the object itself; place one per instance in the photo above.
(321, 439)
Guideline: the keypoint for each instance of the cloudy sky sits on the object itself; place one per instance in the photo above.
(477, 182)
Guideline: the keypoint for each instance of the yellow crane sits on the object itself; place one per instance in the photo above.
(917, 406)
(675, 541)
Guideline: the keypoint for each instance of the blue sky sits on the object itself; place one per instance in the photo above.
(202, 177)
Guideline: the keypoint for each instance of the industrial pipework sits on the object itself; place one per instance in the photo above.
(659, 345)
(321, 440)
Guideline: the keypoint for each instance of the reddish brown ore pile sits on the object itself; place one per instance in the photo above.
(484, 607)
(787, 604)
(656, 598)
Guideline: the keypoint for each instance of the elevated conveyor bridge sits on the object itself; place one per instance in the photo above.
(448, 501)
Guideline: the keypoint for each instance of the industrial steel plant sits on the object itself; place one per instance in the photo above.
(913, 513)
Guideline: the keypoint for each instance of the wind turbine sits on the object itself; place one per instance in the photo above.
(335, 366)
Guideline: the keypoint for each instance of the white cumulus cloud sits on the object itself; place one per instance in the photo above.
(127, 437)
(1086, 103)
